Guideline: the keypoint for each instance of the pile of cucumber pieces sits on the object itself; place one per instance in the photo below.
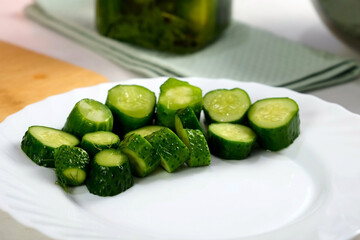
(89, 150)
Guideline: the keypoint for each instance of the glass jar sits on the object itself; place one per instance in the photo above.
(179, 26)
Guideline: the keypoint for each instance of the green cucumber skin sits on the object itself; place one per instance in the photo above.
(109, 181)
(188, 119)
(166, 116)
(172, 151)
(139, 146)
(198, 147)
(275, 139)
(226, 149)
(124, 123)
(77, 125)
(70, 157)
(241, 120)
(39, 153)
(93, 148)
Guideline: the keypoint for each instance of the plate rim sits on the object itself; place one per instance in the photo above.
(11, 117)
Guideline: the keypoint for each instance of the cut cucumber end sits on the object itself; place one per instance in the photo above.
(177, 97)
(94, 142)
(232, 132)
(94, 110)
(52, 137)
(110, 158)
(226, 105)
(176, 94)
(273, 112)
(102, 138)
(75, 175)
(133, 100)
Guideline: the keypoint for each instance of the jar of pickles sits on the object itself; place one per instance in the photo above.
(179, 26)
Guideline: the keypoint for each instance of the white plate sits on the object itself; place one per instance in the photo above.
(311, 190)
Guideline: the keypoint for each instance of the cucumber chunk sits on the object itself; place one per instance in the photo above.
(88, 115)
(186, 119)
(142, 155)
(109, 173)
(195, 140)
(174, 95)
(71, 165)
(94, 142)
(39, 143)
(144, 131)
(133, 106)
(230, 141)
(226, 105)
(172, 151)
(276, 122)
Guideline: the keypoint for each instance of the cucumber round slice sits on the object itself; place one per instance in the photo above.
(276, 121)
(186, 119)
(39, 143)
(172, 151)
(88, 115)
(94, 142)
(226, 105)
(142, 155)
(195, 140)
(71, 165)
(109, 173)
(133, 106)
(174, 95)
(230, 141)
(144, 131)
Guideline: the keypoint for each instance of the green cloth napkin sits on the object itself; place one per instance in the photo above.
(243, 53)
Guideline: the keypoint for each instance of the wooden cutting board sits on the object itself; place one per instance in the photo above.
(27, 77)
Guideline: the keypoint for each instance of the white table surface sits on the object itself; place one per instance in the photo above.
(294, 20)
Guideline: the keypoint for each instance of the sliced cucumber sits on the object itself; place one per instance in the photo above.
(186, 119)
(88, 115)
(230, 141)
(71, 165)
(226, 105)
(195, 140)
(175, 95)
(172, 151)
(109, 173)
(276, 122)
(94, 142)
(142, 155)
(146, 130)
(39, 143)
(133, 106)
